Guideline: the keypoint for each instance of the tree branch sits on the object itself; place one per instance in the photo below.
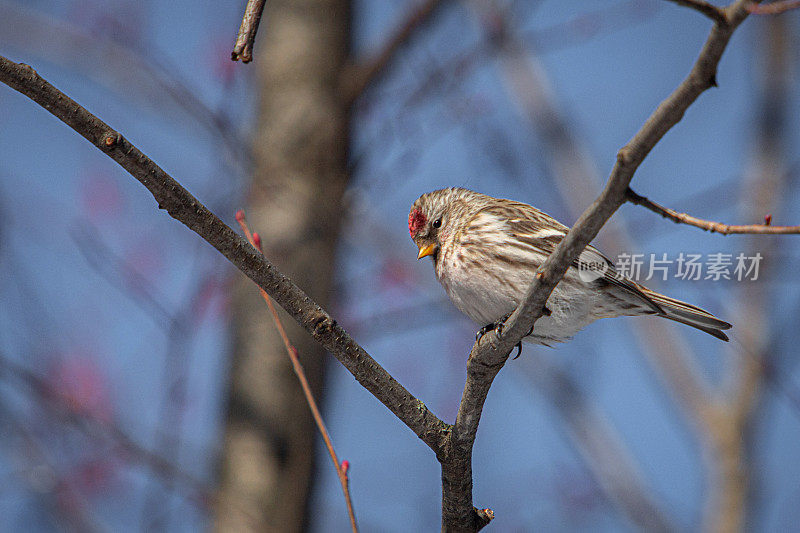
(717, 14)
(708, 225)
(489, 355)
(243, 48)
(185, 208)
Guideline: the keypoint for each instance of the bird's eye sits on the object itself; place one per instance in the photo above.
(437, 223)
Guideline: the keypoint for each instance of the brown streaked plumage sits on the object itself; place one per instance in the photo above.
(486, 251)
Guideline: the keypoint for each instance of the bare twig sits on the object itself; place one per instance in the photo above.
(715, 13)
(291, 351)
(243, 48)
(357, 77)
(774, 8)
(708, 225)
(184, 207)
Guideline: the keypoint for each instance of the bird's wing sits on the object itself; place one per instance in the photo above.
(531, 227)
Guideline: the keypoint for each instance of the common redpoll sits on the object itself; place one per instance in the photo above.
(486, 251)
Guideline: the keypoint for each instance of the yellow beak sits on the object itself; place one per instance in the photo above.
(426, 251)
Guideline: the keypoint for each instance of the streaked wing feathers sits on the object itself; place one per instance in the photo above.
(542, 233)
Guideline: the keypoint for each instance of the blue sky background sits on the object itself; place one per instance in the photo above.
(91, 270)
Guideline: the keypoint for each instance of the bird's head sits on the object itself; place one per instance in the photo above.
(433, 217)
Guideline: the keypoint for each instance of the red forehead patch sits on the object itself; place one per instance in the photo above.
(416, 221)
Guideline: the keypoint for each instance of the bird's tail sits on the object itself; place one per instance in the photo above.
(688, 314)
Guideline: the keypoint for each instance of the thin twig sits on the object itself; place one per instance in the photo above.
(708, 225)
(291, 351)
(243, 48)
(715, 13)
(357, 77)
(775, 8)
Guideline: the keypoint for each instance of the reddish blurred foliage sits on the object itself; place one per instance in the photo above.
(218, 59)
(101, 196)
(213, 299)
(93, 476)
(395, 274)
(80, 383)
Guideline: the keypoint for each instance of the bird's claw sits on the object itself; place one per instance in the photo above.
(519, 351)
(492, 326)
(484, 330)
(498, 327)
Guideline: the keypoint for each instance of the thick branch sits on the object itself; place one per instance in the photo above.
(490, 354)
(243, 47)
(185, 208)
(708, 225)
(717, 14)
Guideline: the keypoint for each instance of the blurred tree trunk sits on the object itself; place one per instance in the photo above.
(300, 148)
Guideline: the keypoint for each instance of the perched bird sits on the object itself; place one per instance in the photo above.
(486, 251)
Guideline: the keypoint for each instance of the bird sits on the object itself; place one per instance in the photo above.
(486, 252)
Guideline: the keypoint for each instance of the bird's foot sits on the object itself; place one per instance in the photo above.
(484, 330)
(498, 327)
(492, 326)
